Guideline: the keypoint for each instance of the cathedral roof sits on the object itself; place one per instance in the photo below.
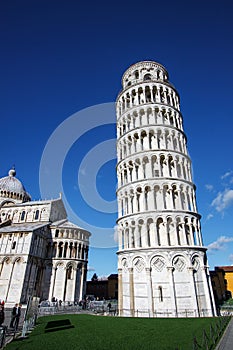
(11, 187)
(24, 227)
(65, 224)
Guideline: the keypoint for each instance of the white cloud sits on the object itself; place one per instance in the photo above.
(223, 200)
(102, 278)
(210, 216)
(220, 243)
(115, 237)
(228, 173)
(209, 187)
(231, 257)
(90, 268)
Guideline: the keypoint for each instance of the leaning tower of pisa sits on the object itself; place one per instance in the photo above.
(162, 264)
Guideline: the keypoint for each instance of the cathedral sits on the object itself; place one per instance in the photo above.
(42, 254)
(162, 264)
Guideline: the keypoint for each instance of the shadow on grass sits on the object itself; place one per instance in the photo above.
(58, 325)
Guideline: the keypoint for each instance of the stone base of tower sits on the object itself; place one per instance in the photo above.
(161, 283)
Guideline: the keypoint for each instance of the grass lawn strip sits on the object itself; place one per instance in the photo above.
(85, 332)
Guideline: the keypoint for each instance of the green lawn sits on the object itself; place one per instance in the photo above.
(81, 332)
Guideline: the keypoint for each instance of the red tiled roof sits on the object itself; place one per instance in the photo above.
(225, 268)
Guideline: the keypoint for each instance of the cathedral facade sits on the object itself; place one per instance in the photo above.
(162, 263)
(42, 254)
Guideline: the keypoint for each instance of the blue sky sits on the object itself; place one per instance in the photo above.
(60, 58)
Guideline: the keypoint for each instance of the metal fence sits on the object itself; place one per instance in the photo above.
(166, 313)
(96, 307)
(2, 335)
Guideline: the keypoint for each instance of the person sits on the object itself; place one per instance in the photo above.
(17, 317)
(13, 316)
(2, 314)
(109, 307)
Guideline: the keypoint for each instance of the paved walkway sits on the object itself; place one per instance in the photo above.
(226, 342)
(10, 333)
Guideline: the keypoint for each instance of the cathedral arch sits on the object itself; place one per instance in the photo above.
(65, 250)
(36, 215)
(6, 203)
(60, 250)
(22, 215)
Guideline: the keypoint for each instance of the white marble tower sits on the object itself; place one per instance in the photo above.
(162, 263)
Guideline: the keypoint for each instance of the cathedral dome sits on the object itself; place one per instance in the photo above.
(11, 187)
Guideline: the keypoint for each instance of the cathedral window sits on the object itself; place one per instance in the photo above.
(13, 245)
(60, 250)
(36, 215)
(65, 250)
(22, 217)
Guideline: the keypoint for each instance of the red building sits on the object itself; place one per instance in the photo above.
(103, 288)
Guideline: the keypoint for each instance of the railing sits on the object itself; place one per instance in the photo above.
(51, 310)
(2, 335)
(226, 310)
(97, 307)
(185, 313)
(28, 325)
